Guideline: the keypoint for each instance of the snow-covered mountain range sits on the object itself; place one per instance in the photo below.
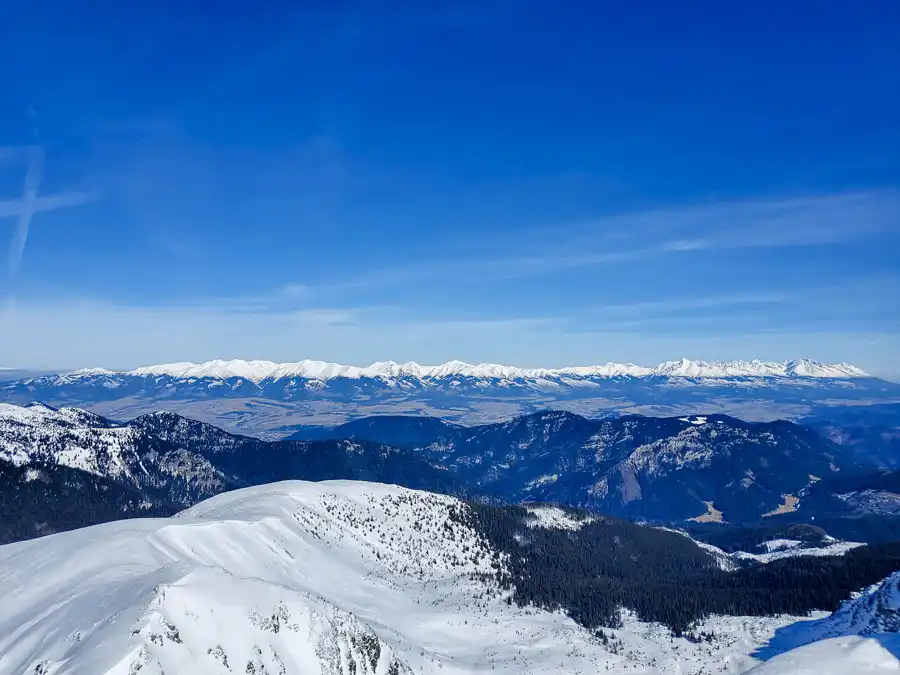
(271, 399)
(339, 578)
(257, 371)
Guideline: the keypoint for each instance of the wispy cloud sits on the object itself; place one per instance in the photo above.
(125, 335)
(30, 203)
(294, 291)
(812, 221)
(761, 224)
(694, 304)
(788, 221)
(119, 336)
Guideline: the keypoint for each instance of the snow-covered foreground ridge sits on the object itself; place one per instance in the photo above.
(288, 578)
(874, 611)
(334, 577)
(258, 371)
(850, 655)
(861, 638)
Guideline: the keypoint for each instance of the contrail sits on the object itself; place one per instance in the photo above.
(33, 177)
(12, 208)
(25, 207)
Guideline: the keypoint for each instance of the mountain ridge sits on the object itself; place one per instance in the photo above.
(165, 462)
(667, 469)
(266, 399)
(259, 370)
(661, 468)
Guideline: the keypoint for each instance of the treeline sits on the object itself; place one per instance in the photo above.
(662, 576)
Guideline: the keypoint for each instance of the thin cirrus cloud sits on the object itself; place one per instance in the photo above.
(694, 304)
(764, 223)
(95, 331)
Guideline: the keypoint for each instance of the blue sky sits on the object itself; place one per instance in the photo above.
(535, 183)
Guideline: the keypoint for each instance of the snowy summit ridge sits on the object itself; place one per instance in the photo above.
(258, 371)
(331, 578)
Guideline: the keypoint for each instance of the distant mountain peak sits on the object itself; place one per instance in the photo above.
(258, 371)
(320, 393)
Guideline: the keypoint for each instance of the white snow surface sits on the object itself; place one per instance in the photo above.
(850, 655)
(337, 577)
(871, 612)
(554, 518)
(860, 638)
(697, 421)
(257, 371)
(781, 544)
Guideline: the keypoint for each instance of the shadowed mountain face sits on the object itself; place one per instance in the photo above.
(871, 432)
(88, 469)
(706, 468)
(39, 499)
(391, 429)
(713, 467)
(253, 462)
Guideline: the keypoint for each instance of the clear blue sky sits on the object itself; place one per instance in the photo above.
(534, 182)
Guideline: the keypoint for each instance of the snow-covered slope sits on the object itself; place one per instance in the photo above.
(334, 577)
(785, 548)
(874, 611)
(778, 549)
(850, 655)
(68, 436)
